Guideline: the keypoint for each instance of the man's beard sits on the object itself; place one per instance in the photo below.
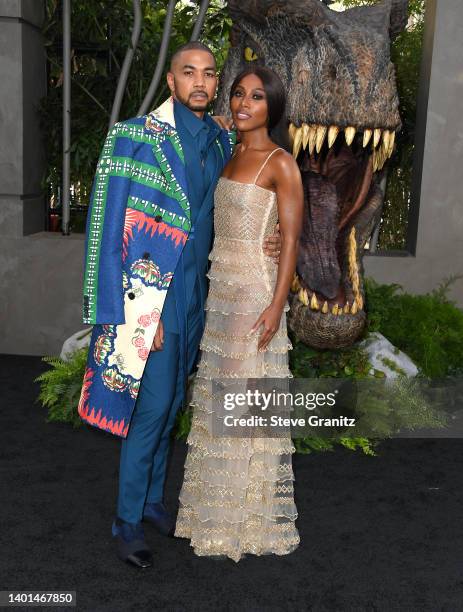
(198, 105)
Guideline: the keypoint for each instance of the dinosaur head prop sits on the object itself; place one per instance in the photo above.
(342, 114)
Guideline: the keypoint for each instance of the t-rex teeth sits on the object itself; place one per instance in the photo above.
(366, 137)
(386, 136)
(353, 310)
(305, 135)
(335, 309)
(297, 142)
(314, 302)
(391, 143)
(381, 156)
(303, 297)
(321, 133)
(352, 261)
(349, 133)
(292, 131)
(346, 308)
(332, 134)
(312, 137)
(295, 285)
(376, 137)
(325, 307)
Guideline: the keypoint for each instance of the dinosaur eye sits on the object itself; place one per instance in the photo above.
(249, 55)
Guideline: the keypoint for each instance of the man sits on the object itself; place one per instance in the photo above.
(149, 233)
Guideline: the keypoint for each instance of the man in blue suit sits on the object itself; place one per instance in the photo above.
(192, 81)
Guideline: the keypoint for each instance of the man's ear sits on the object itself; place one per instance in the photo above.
(171, 82)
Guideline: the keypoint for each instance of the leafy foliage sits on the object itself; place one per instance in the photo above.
(60, 387)
(380, 409)
(428, 328)
(306, 362)
(183, 424)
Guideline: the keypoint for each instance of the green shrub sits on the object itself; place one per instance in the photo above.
(428, 327)
(379, 410)
(60, 387)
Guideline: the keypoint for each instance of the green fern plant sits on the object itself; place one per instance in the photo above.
(61, 385)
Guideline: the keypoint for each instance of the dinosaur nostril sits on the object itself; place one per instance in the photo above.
(303, 77)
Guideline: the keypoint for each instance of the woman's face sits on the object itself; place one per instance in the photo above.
(248, 104)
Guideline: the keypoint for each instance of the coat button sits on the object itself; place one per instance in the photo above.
(146, 255)
(131, 295)
(158, 218)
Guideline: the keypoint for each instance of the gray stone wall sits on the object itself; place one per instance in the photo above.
(41, 276)
(23, 70)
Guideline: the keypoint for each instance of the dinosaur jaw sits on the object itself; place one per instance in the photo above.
(342, 205)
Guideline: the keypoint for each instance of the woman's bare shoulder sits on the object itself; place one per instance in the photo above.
(284, 164)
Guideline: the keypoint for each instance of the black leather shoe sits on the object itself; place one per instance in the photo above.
(130, 544)
(157, 515)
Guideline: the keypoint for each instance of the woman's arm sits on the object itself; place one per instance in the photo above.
(290, 201)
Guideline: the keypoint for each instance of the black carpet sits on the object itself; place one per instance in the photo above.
(381, 533)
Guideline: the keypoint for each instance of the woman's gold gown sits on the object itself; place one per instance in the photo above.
(237, 495)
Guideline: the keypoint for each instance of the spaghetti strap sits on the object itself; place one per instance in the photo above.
(265, 162)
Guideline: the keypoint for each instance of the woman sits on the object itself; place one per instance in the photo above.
(237, 495)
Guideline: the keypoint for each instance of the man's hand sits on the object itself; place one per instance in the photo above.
(272, 245)
(223, 122)
(158, 342)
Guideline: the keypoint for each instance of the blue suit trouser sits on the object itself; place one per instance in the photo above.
(144, 451)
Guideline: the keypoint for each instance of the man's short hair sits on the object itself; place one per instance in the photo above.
(190, 46)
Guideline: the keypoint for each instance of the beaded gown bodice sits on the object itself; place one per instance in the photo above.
(250, 212)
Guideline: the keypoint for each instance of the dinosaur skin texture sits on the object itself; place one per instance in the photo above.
(342, 115)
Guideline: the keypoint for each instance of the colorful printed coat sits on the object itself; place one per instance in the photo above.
(137, 226)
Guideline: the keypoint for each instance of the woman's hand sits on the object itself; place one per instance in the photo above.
(158, 341)
(270, 319)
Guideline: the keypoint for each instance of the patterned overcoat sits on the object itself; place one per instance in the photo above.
(137, 225)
